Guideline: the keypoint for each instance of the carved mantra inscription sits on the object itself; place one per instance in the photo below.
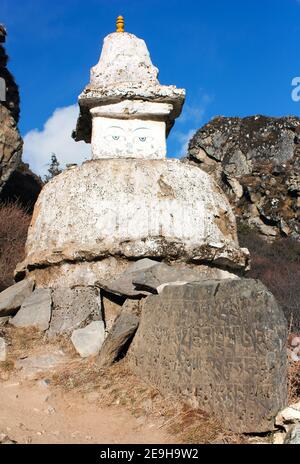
(220, 343)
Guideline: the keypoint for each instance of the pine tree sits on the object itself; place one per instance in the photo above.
(54, 168)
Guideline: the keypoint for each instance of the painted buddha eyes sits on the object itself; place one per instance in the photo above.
(142, 139)
(115, 137)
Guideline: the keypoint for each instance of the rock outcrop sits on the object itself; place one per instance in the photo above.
(17, 182)
(256, 161)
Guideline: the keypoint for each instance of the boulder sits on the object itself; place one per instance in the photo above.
(293, 436)
(123, 284)
(111, 309)
(157, 277)
(2, 350)
(218, 344)
(13, 297)
(256, 161)
(289, 416)
(72, 308)
(35, 310)
(88, 341)
(121, 332)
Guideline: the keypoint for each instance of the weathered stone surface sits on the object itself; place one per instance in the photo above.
(123, 284)
(88, 341)
(121, 332)
(157, 277)
(10, 145)
(4, 320)
(2, 350)
(33, 365)
(293, 436)
(159, 209)
(256, 161)
(35, 310)
(13, 297)
(73, 307)
(125, 72)
(289, 415)
(219, 343)
(110, 310)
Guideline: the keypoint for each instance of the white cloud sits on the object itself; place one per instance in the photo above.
(55, 137)
(183, 139)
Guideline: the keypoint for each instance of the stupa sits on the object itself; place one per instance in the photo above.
(129, 201)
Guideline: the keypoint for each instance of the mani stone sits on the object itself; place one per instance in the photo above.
(88, 341)
(35, 310)
(72, 307)
(121, 332)
(219, 344)
(12, 298)
(2, 350)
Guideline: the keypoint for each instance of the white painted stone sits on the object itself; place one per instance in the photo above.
(129, 109)
(35, 310)
(125, 72)
(134, 138)
(89, 340)
(2, 350)
(124, 58)
(133, 209)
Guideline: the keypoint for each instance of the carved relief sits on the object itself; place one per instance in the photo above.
(221, 344)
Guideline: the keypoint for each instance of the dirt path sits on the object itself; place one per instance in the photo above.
(32, 414)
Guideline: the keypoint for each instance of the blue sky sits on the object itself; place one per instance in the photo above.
(235, 58)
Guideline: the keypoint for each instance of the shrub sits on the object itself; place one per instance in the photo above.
(14, 222)
(277, 265)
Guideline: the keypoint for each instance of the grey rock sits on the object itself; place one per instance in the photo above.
(123, 285)
(13, 297)
(289, 415)
(88, 341)
(72, 308)
(33, 365)
(2, 350)
(293, 436)
(121, 332)
(35, 310)
(4, 320)
(255, 160)
(111, 309)
(157, 277)
(220, 344)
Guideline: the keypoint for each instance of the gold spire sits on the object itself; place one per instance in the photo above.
(120, 24)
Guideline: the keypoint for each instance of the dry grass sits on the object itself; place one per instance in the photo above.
(117, 385)
(14, 223)
(293, 381)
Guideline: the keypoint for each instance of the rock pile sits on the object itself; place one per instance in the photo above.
(256, 161)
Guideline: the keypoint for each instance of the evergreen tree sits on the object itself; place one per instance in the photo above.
(54, 168)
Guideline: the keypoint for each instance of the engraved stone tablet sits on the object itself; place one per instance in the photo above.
(220, 343)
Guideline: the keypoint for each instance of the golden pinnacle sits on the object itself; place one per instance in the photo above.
(120, 24)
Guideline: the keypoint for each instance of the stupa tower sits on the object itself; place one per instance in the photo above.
(128, 202)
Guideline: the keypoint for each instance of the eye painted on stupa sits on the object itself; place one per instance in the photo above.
(142, 134)
(115, 134)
